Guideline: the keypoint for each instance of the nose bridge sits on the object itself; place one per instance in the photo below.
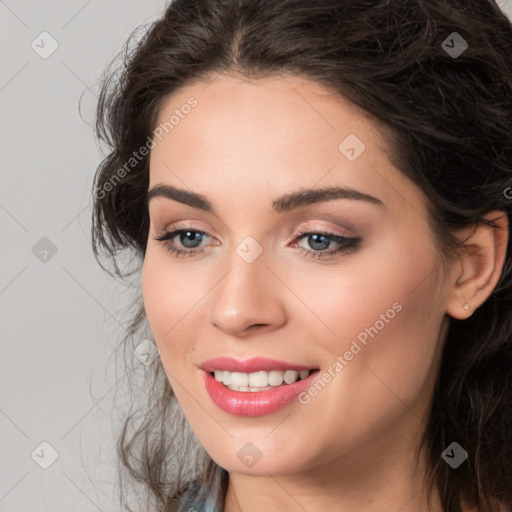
(246, 295)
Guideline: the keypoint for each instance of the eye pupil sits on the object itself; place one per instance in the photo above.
(315, 237)
(190, 236)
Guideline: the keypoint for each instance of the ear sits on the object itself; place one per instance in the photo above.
(479, 267)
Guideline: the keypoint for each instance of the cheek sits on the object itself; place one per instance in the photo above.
(386, 323)
(156, 301)
(370, 287)
(167, 298)
(386, 320)
(174, 299)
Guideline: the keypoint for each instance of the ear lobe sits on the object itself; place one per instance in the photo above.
(479, 267)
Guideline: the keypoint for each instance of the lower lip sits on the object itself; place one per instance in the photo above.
(258, 403)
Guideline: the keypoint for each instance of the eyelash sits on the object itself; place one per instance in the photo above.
(348, 243)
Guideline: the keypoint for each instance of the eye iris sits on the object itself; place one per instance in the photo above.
(190, 236)
(315, 238)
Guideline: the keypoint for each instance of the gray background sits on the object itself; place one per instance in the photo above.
(61, 315)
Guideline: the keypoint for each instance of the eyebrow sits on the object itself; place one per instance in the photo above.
(284, 203)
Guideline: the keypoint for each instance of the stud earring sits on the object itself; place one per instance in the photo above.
(466, 306)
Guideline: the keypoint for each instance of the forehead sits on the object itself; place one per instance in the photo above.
(276, 134)
(269, 106)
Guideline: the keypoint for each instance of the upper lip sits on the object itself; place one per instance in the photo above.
(251, 365)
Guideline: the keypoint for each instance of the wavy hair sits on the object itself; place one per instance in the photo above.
(448, 120)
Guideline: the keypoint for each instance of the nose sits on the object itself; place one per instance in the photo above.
(249, 297)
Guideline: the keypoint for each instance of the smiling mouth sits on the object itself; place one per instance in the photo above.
(259, 380)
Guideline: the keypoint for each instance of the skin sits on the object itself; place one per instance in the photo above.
(354, 445)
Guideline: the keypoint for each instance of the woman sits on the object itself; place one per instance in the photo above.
(320, 195)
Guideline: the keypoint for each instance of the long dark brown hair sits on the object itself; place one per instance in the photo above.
(448, 118)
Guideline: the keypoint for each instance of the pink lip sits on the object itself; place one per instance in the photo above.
(254, 364)
(241, 403)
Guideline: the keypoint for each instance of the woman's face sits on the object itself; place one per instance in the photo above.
(268, 279)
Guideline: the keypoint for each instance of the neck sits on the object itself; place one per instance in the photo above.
(363, 480)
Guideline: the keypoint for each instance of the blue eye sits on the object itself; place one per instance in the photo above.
(319, 240)
(190, 240)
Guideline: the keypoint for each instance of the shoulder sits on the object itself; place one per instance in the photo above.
(189, 498)
(190, 502)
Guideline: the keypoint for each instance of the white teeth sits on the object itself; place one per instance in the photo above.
(290, 376)
(258, 381)
(239, 379)
(275, 378)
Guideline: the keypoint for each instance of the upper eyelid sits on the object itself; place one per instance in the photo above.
(346, 229)
(346, 243)
(298, 233)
